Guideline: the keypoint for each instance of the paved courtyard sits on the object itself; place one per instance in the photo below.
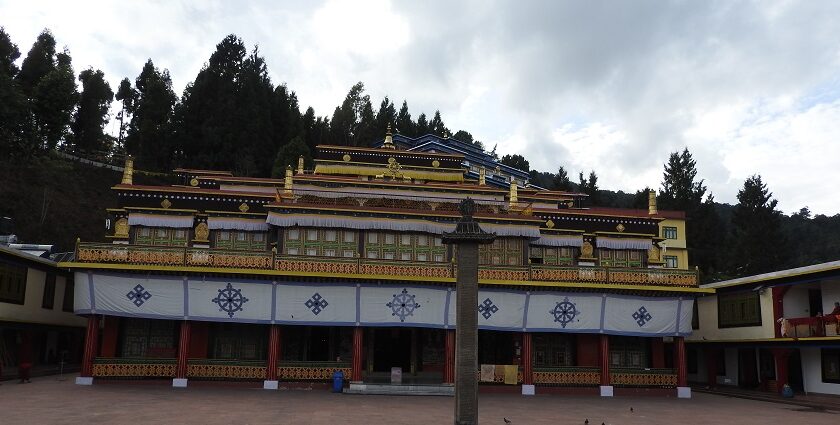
(49, 401)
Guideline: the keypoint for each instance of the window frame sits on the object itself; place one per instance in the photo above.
(733, 297)
(48, 298)
(8, 271)
(667, 232)
(829, 354)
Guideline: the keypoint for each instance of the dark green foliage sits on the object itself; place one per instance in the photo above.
(386, 115)
(14, 109)
(288, 156)
(38, 62)
(9, 53)
(92, 114)
(353, 120)
(151, 104)
(758, 244)
(421, 128)
(125, 94)
(561, 181)
(53, 101)
(404, 124)
(589, 186)
(516, 161)
(437, 126)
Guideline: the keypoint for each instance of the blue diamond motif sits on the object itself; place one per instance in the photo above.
(642, 316)
(487, 308)
(317, 303)
(230, 300)
(564, 312)
(403, 305)
(138, 295)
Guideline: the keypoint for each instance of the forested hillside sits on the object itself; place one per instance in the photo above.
(232, 116)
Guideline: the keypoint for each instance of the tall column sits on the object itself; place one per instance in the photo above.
(781, 356)
(180, 380)
(358, 349)
(712, 355)
(527, 364)
(270, 382)
(604, 357)
(449, 357)
(467, 236)
(413, 353)
(91, 345)
(683, 390)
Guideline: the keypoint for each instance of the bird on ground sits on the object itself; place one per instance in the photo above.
(586, 422)
(507, 421)
(631, 410)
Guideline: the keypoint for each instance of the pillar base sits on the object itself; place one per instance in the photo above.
(84, 380)
(606, 390)
(528, 390)
(684, 392)
(179, 382)
(270, 385)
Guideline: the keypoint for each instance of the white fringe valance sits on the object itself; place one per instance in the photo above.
(623, 243)
(235, 223)
(564, 240)
(160, 220)
(398, 225)
(376, 193)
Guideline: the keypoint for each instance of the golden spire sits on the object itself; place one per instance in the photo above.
(300, 165)
(128, 171)
(482, 174)
(514, 198)
(389, 141)
(652, 202)
(287, 182)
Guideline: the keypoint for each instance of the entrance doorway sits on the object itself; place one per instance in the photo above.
(815, 302)
(391, 348)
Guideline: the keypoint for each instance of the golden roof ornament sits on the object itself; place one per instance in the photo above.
(300, 165)
(549, 224)
(620, 227)
(346, 158)
(128, 171)
(244, 207)
(514, 198)
(482, 176)
(166, 203)
(389, 141)
(194, 182)
(288, 181)
(652, 202)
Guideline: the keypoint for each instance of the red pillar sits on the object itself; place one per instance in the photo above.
(273, 353)
(183, 350)
(712, 355)
(781, 355)
(527, 359)
(449, 357)
(682, 380)
(356, 371)
(110, 332)
(604, 354)
(778, 307)
(91, 345)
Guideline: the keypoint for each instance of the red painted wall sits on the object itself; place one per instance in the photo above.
(587, 350)
(110, 334)
(657, 353)
(199, 332)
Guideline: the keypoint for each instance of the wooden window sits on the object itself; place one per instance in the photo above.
(48, 300)
(553, 350)
(12, 283)
(241, 240)
(160, 236)
(322, 242)
(671, 261)
(669, 232)
(502, 251)
(621, 258)
(67, 302)
(739, 310)
(695, 316)
(629, 352)
(293, 234)
(830, 365)
(148, 338)
(404, 246)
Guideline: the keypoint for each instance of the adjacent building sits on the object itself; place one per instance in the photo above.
(343, 267)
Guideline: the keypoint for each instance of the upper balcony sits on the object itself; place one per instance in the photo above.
(191, 259)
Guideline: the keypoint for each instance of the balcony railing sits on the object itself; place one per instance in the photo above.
(348, 267)
(806, 327)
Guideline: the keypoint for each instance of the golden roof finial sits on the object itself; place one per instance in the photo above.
(482, 175)
(128, 171)
(300, 165)
(288, 181)
(652, 202)
(389, 141)
(513, 196)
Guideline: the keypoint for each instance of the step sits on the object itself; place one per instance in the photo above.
(408, 389)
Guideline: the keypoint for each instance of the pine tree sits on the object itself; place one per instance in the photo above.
(288, 156)
(150, 104)
(53, 101)
(437, 127)
(14, 108)
(92, 115)
(758, 243)
(516, 161)
(38, 62)
(561, 180)
(386, 115)
(125, 95)
(404, 124)
(421, 128)
(9, 53)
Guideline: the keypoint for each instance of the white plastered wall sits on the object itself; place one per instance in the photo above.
(812, 372)
(707, 309)
(32, 311)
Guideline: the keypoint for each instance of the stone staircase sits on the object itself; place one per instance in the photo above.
(404, 389)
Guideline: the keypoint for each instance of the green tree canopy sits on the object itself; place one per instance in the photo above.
(151, 104)
(288, 156)
(404, 125)
(92, 115)
(53, 101)
(516, 161)
(758, 243)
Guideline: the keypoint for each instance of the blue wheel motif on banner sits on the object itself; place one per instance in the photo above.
(316, 304)
(138, 295)
(403, 305)
(642, 316)
(230, 300)
(564, 312)
(487, 308)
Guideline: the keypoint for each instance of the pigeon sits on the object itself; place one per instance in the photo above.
(586, 422)
(507, 421)
(631, 410)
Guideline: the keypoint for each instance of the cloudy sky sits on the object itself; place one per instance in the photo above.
(615, 86)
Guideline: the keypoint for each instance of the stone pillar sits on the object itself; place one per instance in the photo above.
(467, 236)
(604, 357)
(358, 350)
(683, 390)
(180, 380)
(274, 335)
(91, 345)
(527, 364)
(781, 356)
(449, 357)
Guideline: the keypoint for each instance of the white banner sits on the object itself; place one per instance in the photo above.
(252, 301)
